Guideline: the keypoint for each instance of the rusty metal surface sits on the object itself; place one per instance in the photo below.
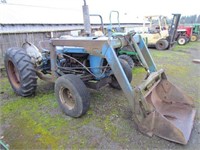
(13, 74)
(169, 112)
(47, 46)
(45, 77)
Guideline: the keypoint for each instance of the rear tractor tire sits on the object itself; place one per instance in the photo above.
(162, 44)
(20, 71)
(128, 71)
(72, 95)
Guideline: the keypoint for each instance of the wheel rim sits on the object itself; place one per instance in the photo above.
(181, 41)
(13, 75)
(193, 38)
(160, 45)
(67, 98)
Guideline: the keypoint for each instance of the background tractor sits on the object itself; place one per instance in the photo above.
(182, 37)
(186, 33)
(127, 53)
(195, 32)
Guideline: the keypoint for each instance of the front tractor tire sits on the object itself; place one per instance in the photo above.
(128, 59)
(20, 71)
(128, 71)
(72, 95)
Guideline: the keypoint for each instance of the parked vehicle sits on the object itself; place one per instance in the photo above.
(195, 32)
(186, 33)
(182, 37)
(159, 34)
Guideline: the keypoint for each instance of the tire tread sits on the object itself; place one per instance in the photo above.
(81, 89)
(28, 78)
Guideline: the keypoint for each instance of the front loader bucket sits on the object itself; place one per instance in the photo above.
(170, 112)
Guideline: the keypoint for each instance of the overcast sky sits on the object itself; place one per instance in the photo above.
(131, 7)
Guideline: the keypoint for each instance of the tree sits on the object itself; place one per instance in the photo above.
(193, 18)
(190, 19)
(182, 20)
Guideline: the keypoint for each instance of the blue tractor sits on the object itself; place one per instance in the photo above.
(77, 63)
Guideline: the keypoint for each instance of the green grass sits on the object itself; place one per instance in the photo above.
(186, 46)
